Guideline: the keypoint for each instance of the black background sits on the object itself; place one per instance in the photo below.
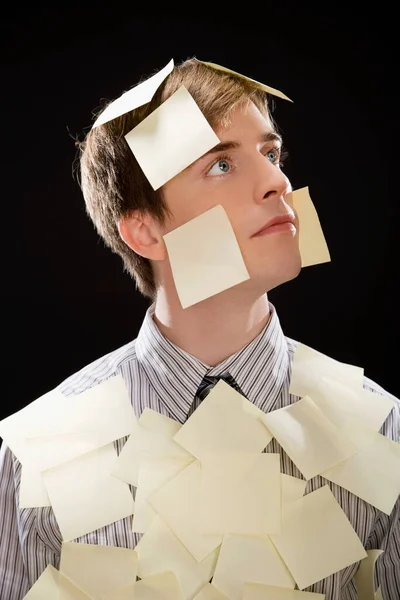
(65, 298)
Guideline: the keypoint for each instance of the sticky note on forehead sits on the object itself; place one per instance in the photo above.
(137, 96)
(171, 138)
(205, 257)
(262, 86)
(312, 243)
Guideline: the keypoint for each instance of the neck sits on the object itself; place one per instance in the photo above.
(214, 329)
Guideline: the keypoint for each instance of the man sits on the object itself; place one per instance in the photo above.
(236, 330)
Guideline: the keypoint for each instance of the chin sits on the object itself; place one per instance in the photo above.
(276, 275)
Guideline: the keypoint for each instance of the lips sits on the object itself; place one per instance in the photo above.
(286, 218)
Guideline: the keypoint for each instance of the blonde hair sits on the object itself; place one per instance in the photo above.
(112, 182)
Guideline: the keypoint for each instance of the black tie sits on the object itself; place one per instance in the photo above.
(207, 385)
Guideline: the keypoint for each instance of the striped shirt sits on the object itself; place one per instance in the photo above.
(161, 376)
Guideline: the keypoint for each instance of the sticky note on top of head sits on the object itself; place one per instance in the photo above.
(262, 86)
(135, 97)
(171, 138)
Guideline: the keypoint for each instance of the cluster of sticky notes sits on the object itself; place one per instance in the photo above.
(219, 519)
(65, 446)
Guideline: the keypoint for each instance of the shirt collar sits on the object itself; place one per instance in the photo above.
(260, 368)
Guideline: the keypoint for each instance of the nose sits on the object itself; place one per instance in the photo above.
(271, 182)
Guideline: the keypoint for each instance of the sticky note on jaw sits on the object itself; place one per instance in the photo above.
(317, 538)
(171, 138)
(225, 422)
(98, 570)
(308, 437)
(205, 257)
(312, 243)
(135, 97)
(53, 584)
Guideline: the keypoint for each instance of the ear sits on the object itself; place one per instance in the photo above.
(143, 234)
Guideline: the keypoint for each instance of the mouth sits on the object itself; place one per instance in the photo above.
(282, 223)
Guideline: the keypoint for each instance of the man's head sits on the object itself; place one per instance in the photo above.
(243, 177)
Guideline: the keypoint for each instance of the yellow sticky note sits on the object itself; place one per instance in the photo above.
(241, 493)
(248, 558)
(14, 428)
(53, 585)
(312, 243)
(163, 586)
(32, 491)
(126, 593)
(373, 473)
(158, 423)
(292, 488)
(171, 138)
(309, 366)
(98, 570)
(316, 539)
(343, 405)
(262, 86)
(225, 422)
(178, 502)
(210, 592)
(84, 495)
(153, 474)
(310, 439)
(81, 423)
(259, 591)
(159, 550)
(135, 97)
(144, 442)
(364, 577)
(205, 257)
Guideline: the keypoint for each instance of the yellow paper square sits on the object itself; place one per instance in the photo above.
(262, 86)
(135, 97)
(317, 539)
(178, 503)
(53, 585)
(153, 474)
(259, 591)
(84, 495)
(32, 491)
(309, 366)
(205, 257)
(224, 423)
(98, 570)
(171, 138)
(159, 550)
(292, 488)
(372, 474)
(365, 576)
(241, 494)
(308, 437)
(343, 404)
(249, 558)
(312, 243)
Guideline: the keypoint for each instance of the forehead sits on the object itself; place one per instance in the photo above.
(244, 119)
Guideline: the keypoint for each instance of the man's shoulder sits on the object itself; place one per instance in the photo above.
(101, 369)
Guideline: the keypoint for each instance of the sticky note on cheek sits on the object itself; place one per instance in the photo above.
(205, 257)
(312, 243)
(171, 138)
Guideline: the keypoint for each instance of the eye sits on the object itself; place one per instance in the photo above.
(220, 167)
(273, 155)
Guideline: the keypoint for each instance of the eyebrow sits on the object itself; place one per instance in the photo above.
(270, 136)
